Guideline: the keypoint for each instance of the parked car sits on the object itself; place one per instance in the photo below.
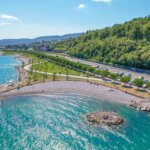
(129, 75)
(141, 77)
(121, 74)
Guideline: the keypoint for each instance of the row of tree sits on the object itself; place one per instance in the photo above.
(88, 69)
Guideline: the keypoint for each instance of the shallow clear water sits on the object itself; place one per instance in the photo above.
(59, 122)
(8, 72)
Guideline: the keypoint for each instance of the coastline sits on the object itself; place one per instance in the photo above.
(76, 87)
(22, 73)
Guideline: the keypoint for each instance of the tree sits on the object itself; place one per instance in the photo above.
(138, 82)
(67, 74)
(23, 64)
(125, 79)
(148, 84)
(105, 73)
(35, 77)
(20, 78)
(54, 76)
(147, 32)
(137, 33)
(29, 80)
(114, 76)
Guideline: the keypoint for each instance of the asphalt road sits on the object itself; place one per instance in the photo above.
(110, 68)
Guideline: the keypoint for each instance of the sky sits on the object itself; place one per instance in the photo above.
(33, 18)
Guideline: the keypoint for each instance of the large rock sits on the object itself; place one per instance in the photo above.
(105, 118)
(142, 105)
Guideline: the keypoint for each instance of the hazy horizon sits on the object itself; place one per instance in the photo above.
(39, 36)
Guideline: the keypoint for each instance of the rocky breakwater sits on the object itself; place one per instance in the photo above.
(105, 118)
(142, 105)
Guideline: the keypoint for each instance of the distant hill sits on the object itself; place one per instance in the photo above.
(38, 39)
(126, 44)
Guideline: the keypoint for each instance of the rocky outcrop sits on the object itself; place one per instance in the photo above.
(105, 118)
(143, 105)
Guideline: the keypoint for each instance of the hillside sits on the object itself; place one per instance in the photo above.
(38, 39)
(125, 44)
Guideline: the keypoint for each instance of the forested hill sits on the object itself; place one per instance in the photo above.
(125, 44)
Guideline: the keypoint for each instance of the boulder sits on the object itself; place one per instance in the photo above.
(142, 105)
(105, 118)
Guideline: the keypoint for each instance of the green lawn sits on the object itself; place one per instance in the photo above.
(50, 67)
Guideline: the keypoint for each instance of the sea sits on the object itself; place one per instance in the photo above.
(8, 71)
(58, 122)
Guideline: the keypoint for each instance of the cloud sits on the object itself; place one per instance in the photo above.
(5, 23)
(81, 6)
(8, 17)
(105, 1)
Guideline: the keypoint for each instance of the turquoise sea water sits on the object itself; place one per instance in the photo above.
(59, 122)
(8, 73)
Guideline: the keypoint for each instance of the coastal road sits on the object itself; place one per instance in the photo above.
(110, 68)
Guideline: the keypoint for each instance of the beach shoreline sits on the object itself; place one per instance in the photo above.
(73, 87)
